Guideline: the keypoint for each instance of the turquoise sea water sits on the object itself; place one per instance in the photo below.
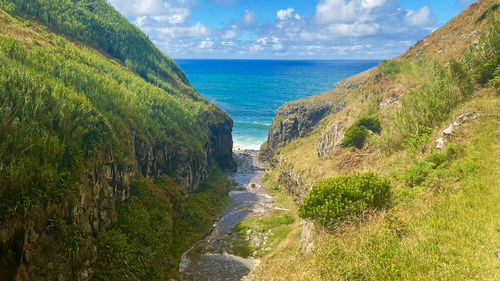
(251, 90)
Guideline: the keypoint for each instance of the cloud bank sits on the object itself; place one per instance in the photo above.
(336, 29)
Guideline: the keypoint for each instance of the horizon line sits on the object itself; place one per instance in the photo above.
(281, 59)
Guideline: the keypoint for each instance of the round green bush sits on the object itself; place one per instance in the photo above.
(336, 199)
(371, 123)
(355, 136)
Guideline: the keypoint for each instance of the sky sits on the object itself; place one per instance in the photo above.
(287, 29)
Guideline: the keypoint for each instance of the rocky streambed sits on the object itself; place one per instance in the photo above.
(211, 258)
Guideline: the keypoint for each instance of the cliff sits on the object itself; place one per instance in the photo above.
(437, 105)
(296, 119)
(82, 117)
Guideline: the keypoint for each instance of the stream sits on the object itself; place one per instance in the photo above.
(208, 259)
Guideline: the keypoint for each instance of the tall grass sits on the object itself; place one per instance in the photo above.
(422, 109)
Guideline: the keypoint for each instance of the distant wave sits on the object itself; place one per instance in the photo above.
(265, 124)
(243, 146)
(247, 142)
(253, 125)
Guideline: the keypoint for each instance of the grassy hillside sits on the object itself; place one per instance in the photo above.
(441, 222)
(62, 104)
(97, 24)
(91, 111)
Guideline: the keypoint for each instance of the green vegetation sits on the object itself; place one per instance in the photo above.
(357, 133)
(421, 170)
(429, 105)
(485, 72)
(448, 87)
(63, 105)
(270, 232)
(73, 240)
(138, 245)
(97, 24)
(67, 109)
(155, 226)
(355, 136)
(390, 67)
(370, 123)
(488, 11)
(336, 199)
(71, 236)
(484, 59)
(442, 223)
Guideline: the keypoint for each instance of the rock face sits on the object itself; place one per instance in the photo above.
(221, 141)
(292, 180)
(294, 120)
(298, 118)
(387, 102)
(31, 250)
(331, 138)
(346, 84)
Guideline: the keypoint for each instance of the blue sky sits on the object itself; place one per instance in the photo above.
(287, 29)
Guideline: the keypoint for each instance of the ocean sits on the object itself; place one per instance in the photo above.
(251, 90)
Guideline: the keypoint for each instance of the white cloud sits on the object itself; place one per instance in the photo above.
(345, 26)
(163, 20)
(353, 30)
(423, 17)
(227, 43)
(329, 11)
(206, 44)
(159, 31)
(233, 30)
(230, 34)
(284, 14)
(368, 4)
(139, 7)
(249, 17)
(256, 48)
(338, 27)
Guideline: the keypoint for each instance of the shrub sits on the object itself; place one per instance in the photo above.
(355, 136)
(390, 67)
(371, 123)
(495, 82)
(486, 71)
(357, 133)
(336, 199)
(420, 171)
(73, 240)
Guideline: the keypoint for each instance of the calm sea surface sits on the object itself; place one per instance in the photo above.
(251, 90)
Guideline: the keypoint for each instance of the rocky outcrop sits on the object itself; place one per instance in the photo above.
(295, 120)
(222, 144)
(308, 228)
(298, 118)
(457, 122)
(383, 104)
(331, 138)
(292, 180)
(347, 84)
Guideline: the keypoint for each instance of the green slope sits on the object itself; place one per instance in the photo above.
(442, 220)
(88, 107)
(97, 24)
